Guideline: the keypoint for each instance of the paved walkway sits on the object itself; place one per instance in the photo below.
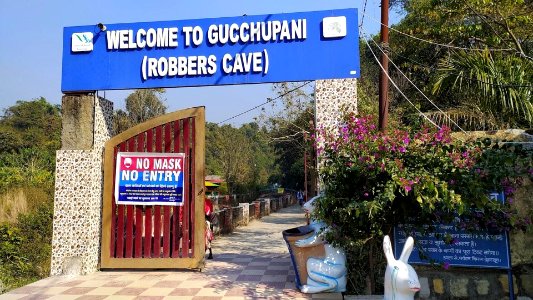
(251, 263)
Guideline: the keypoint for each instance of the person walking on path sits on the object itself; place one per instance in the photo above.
(300, 197)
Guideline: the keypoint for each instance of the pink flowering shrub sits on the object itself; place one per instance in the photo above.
(374, 181)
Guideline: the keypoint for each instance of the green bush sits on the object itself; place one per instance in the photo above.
(374, 181)
(13, 264)
(37, 245)
(30, 134)
(30, 167)
(25, 247)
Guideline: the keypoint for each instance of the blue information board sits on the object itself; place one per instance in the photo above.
(480, 249)
(235, 50)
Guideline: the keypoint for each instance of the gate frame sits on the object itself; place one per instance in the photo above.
(198, 257)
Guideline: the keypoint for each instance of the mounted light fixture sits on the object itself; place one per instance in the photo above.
(101, 26)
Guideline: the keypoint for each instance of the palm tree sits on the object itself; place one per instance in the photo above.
(497, 89)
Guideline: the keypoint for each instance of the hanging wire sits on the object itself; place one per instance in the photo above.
(439, 44)
(414, 85)
(363, 17)
(396, 86)
(265, 103)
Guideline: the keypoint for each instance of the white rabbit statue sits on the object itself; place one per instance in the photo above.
(401, 281)
(324, 274)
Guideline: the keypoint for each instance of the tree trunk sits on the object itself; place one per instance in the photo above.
(370, 279)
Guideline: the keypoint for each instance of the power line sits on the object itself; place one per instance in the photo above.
(396, 86)
(265, 103)
(414, 85)
(363, 17)
(439, 44)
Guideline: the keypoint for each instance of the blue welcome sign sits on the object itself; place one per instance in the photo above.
(236, 50)
(481, 249)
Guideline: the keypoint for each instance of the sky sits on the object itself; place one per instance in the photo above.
(31, 46)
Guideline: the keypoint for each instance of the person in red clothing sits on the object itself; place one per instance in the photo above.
(209, 218)
(208, 207)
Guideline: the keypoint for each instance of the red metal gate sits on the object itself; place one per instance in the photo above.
(142, 236)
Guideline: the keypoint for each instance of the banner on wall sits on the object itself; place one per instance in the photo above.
(150, 178)
(235, 50)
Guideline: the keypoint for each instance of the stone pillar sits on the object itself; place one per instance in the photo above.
(333, 98)
(87, 125)
(257, 205)
(245, 213)
(228, 221)
(267, 206)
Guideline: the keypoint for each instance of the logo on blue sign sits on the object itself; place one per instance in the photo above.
(82, 42)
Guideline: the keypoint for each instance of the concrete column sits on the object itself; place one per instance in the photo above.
(87, 125)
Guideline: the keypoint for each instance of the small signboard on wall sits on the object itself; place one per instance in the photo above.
(150, 178)
(481, 249)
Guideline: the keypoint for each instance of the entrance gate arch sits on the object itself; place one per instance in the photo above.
(320, 45)
(155, 236)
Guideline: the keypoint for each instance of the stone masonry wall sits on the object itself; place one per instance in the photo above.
(467, 283)
(103, 123)
(333, 97)
(78, 197)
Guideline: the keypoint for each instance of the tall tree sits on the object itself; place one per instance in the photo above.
(290, 128)
(242, 156)
(499, 24)
(427, 46)
(501, 87)
(141, 105)
(29, 123)
(232, 151)
(30, 133)
(263, 160)
(145, 104)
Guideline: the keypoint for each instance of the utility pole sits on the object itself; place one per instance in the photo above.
(383, 75)
(383, 104)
